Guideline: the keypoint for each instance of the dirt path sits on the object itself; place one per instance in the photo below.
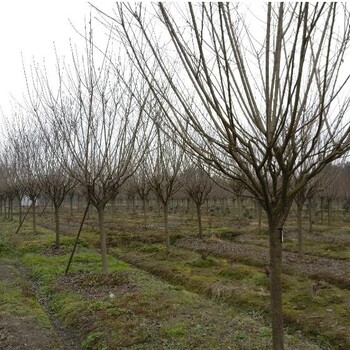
(24, 323)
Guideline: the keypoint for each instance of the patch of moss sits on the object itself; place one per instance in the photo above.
(200, 262)
(237, 272)
(177, 330)
(94, 340)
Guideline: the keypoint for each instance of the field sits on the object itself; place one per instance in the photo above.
(210, 293)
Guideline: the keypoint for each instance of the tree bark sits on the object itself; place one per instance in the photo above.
(34, 216)
(311, 216)
(167, 236)
(199, 217)
(71, 205)
(300, 229)
(19, 209)
(276, 284)
(144, 213)
(329, 211)
(322, 210)
(57, 226)
(103, 239)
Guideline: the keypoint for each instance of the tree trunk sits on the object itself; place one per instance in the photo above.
(259, 217)
(329, 211)
(322, 210)
(34, 216)
(311, 216)
(19, 209)
(5, 208)
(300, 228)
(167, 236)
(239, 209)
(276, 284)
(103, 239)
(71, 205)
(144, 213)
(199, 217)
(11, 208)
(57, 226)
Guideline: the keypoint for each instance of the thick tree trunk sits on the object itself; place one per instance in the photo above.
(71, 205)
(199, 217)
(311, 216)
(322, 210)
(34, 216)
(329, 211)
(239, 208)
(144, 213)
(167, 236)
(19, 209)
(10, 208)
(276, 284)
(57, 226)
(300, 229)
(103, 239)
(259, 217)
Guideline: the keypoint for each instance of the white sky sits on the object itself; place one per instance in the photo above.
(30, 27)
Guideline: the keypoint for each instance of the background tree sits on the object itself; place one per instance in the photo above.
(55, 181)
(254, 98)
(95, 123)
(143, 189)
(197, 185)
(24, 142)
(163, 173)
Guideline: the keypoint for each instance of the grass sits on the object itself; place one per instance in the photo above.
(17, 297)
(174, 312)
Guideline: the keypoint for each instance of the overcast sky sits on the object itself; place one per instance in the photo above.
(30, 27)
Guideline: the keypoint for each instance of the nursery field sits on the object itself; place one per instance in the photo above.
(206, 293)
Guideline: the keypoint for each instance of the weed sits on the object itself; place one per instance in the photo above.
(177, 330)
(93, 341)
(207, 262)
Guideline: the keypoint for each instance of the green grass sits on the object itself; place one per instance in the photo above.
(198, 300)
(17, 297)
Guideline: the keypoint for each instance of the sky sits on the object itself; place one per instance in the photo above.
(29, 28)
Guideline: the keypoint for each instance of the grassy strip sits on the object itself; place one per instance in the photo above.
(128, 308)
(323, 316)
(22, 317)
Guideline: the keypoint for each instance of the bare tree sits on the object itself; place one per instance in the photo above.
(55, 181)
(95, 121)
(143, 189)
(197, 185)
(163, 169)
(255, 98)
(307, 193)
(24, 143)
